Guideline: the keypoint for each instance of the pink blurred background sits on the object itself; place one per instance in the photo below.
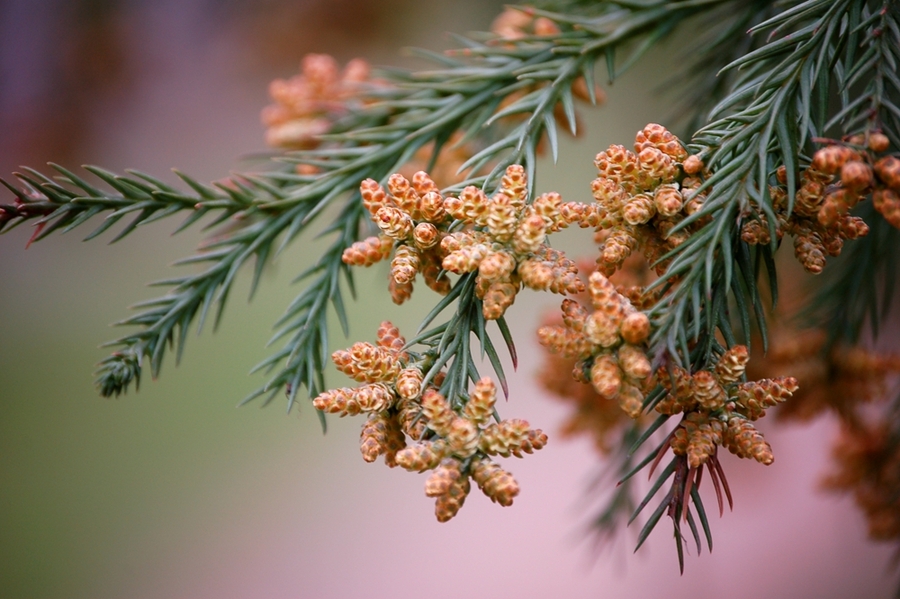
(171, 492)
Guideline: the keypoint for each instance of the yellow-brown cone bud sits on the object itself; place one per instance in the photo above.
(887, 202)
(852, 227)
(395, 440)
(374, 198)
(437, 411)
(547, 206)
(367, 363)
(422, 456)
(810, 251)
(462, 437)
(423, 184)
(426, 235)
(389, 337)
(680, 441)
(633, 362)
(564, 341)
(619, 165)
(502, 218)
(585, 215)
(431, 207)
(888, 170)
(635, 328)
(470, 206)
(616, 248)
(405, 264)
(655, 166)
(534, 440)
(400, 292)
(730, 367)
(692, 165)
(410, 418)
(497, 266)
(495, 482)
(514, 183)
(702, 441)
(368, 251)
(373, 397)
(602, 329)
(606, 376)
(668, 200)
(337, 401)
(403, 194)
(480, 406)
(639, 209)
(755, 397)
(574, 315)
(373, 437)
(631, 400)
(442, 478)
(498, 298)
(603, 293)
(878, 142)
(856, 175)
(756, 231)
(744, 441)
(466, 258)
(707, 391)
(610, 197)
(830, 159)
(409, 383)
(394, 223)
(529, 235)
(511, 437)
(657, 136)
(448, 505)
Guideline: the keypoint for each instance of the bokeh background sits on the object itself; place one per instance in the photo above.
(172, 492)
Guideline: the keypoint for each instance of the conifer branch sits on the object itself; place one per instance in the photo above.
(860, 288)
(371, 141)
(759, 136)
(753, 130)
(304, 323)
(67, 201)
(709, 215)
(858, 291)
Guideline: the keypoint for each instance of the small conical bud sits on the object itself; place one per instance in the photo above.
(368, 251)
(692, 165)
(635, 328)
(446, 506)
(634, 362)
(426, 235)
(730, 367)
(373, 437)
(405, 264)
(707, 391)
(462, 437)
(422, 456)
(409, 383)
(437, 411)
(606, 376)
(480, 406)
(495, 482)
(442, 478)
